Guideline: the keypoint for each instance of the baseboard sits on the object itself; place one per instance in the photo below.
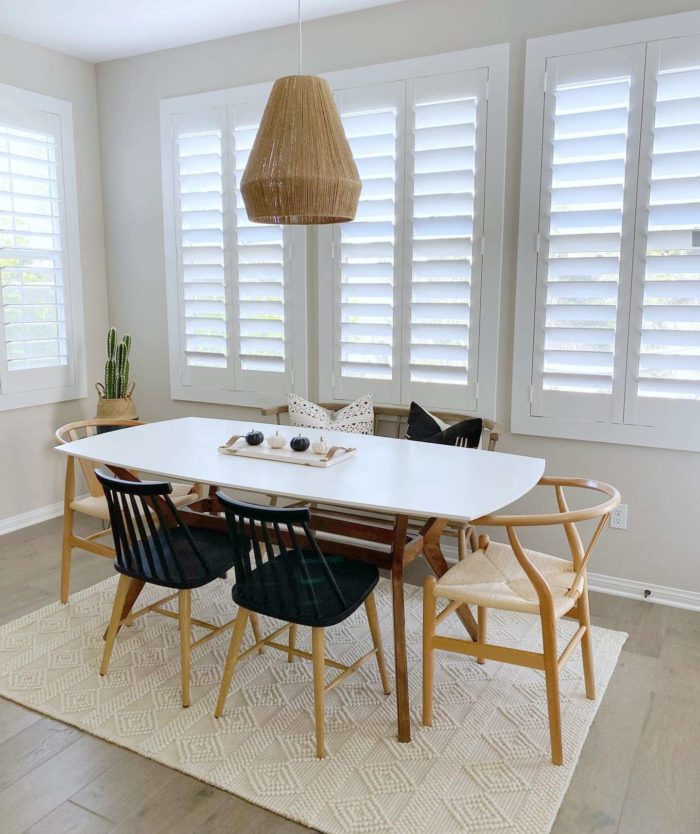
(17, 522)
(645, 591)
(628, 588)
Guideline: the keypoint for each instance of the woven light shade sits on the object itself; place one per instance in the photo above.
(300, 170)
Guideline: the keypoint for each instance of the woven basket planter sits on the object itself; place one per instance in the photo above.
(118, 408)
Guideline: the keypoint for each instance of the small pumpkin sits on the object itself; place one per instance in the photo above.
(276, 441)
(319, 447)
(299, 443)
(254, 437)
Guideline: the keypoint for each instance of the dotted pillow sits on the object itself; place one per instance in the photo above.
(357, 417)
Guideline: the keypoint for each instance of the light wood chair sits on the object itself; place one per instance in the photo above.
(512, 578)
(392, 421)
(94, 504)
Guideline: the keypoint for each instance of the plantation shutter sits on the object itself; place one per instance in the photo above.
(367, 254)
(446, 135)
(586, 233)
(262, 264)
(663, 385)
(234, 277)
(36, 343)
(202, 259)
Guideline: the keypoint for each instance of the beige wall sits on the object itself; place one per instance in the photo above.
(662, 488)
(31, 474)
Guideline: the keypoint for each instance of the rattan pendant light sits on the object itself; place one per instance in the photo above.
(300, 170)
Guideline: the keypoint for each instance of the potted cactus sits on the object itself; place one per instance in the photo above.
(115, 394)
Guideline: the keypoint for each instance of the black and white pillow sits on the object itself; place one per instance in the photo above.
(357, 417)
(426, 427)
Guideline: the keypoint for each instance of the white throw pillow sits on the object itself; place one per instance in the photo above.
(357, 417)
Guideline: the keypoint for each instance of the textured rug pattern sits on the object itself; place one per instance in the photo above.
(482, 767)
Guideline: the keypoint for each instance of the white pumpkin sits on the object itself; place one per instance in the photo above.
(276, 441)
(319, 447)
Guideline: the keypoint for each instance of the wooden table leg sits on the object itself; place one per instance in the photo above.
(436, 559)
(131, 596)
(400, 657)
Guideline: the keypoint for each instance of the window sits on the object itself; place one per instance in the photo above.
(409, 292)
(608, 308)
(234, 287)
(41, 341)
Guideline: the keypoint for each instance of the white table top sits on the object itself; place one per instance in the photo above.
(397, 476)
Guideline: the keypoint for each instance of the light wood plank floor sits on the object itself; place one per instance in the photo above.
(639, 771)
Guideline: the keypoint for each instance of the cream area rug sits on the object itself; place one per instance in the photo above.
(482, 767)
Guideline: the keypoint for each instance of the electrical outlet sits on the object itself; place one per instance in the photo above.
(618, 517)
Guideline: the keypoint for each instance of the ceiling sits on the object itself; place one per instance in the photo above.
(101, 30)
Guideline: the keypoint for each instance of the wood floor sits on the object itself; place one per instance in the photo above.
(639, 772)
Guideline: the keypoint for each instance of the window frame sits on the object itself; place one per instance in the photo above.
(682, 435)
(213, 393)
(71, 262)
(495, 60)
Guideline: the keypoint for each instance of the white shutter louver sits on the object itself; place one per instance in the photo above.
(612, 341)
(367, 252)
(262, 272)
(200, 184)
(231, 293)
(406, 274)
(36, 350)
(586, 234)
(667, 344)
(447, 129)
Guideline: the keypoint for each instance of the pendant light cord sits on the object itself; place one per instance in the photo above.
(299, 18)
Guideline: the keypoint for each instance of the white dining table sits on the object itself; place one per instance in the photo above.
(401, 479)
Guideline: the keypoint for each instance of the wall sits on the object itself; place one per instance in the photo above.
(31, 473)
(661, 487)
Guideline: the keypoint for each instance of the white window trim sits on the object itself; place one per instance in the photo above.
(495, 60)
(71, 268)
(538, 51)
(297, 291)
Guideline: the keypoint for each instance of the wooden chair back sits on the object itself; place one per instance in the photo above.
(150, 538)
(274, 535)
(395, 419)
(569, 519)
(88, 428)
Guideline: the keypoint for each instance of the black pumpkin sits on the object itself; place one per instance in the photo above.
(254, 437)
(299, 443)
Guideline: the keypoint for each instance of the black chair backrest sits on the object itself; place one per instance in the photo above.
(282, 537)
(150, 538)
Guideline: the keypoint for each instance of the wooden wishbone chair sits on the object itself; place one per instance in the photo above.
(286, 576)
(94, 504)
(512, 578)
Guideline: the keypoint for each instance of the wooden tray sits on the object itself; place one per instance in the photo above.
(236, 445)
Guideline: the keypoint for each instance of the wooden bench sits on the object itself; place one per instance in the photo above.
(396, 417)
(393, 419)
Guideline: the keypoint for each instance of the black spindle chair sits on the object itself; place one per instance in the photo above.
(154, 545)
(285, 575)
